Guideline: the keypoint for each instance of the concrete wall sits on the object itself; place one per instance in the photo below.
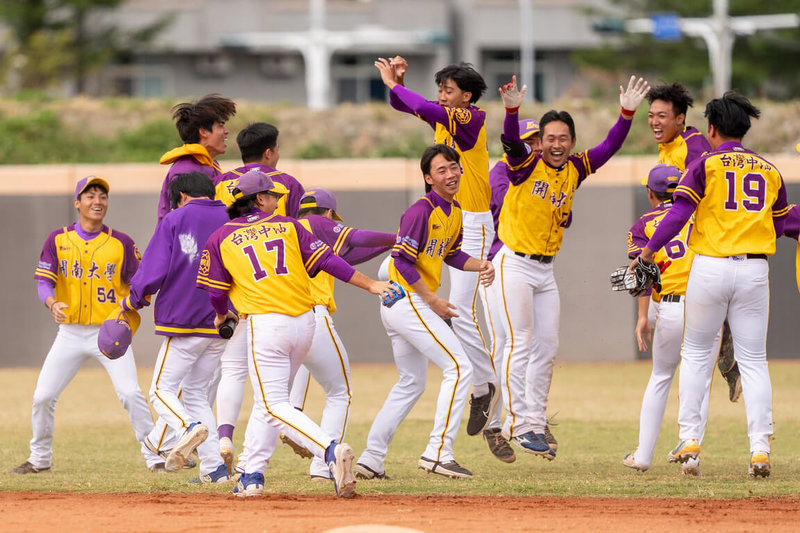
(596, 324)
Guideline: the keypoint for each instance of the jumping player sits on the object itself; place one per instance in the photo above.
(263, 262)
(665, 310)
(430, 234)
(83, 272)
(458, 123)
(201, 126)
(739, 202)
(189, 355)
(535, 211)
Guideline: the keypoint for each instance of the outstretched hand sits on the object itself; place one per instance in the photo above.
(631, 98)
(511, 95)
(387, 72)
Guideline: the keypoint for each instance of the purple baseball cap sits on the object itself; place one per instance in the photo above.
(528, 128)
(86, 182)
(254, 181)
(114, 338)
(663, 178)
(320, 198)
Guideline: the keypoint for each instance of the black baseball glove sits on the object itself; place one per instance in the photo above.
(644, 276)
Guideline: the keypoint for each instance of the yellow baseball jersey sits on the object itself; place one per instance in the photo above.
(263, 262)
(90, 276)
(430, 232)
(675, 257)
(737, 194)
(322, 284)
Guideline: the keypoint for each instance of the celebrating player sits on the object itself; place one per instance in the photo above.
(201, 126)
(665, 309)
(535, 211)
(430, 234)
(458, 123)
(739, 202)
(83, 271)
(263, 262)
(189, 355)
(327, 358)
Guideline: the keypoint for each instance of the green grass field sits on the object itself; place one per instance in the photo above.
(598, 405)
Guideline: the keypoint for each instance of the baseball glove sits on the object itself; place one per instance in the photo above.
(644, 276)
(727, 365)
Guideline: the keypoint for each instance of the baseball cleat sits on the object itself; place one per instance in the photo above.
(480, 408)
(157, 468)
(195, 434)
(362, 471)
(296, 448)
(219, 475)
(341, 466)
(691, 467)
(550, 439)
(630, 462)
(28, 468)
(190, 462)
(226, 452)
(249, 486)
(320, 478)
(534, 443)
(685, 450)
(759, 464)
(498, 445)
(449, 469)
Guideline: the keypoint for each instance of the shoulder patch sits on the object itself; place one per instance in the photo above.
(462, 115)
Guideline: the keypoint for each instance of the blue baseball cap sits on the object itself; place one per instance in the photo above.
(88, 181)
(663, 178)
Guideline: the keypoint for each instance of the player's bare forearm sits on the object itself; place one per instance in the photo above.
(57, 310)
(643, 331)
(486, 269)
(368, 284)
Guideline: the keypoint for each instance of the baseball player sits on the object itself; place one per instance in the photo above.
(83, 272)
(498, 181)
(258, 144)
(535, 210)
(429, 234)
(665, 309)
(189, 355)
(201, 126)
(679, 145)
(263, 262)
(327, 360)
(739, 203)
(458, 123)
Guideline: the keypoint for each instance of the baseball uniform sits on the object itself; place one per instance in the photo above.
(288, 205)
(184, 159)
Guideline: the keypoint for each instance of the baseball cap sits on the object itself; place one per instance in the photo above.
(528, 128)
(86, 182)
(255, 181)
(320, 198)
(114, 338)
(663, 178)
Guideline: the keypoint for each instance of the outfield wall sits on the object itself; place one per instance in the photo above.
(596, 324)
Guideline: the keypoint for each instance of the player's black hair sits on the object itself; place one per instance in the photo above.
(241, 206)
(190, 117)
(675, 93)
(557, 116)
(432, 151)
(731, 114)
(305, 211)
(662, 196)
(93, 186)
(466, 77)
(256, 139)
(194, 184)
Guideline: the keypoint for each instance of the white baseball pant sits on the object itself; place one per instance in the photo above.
(179, 392)
(73, 346)
(530, 317)
(329, 365)
(233, 363)
(735, 287)
(418, 336)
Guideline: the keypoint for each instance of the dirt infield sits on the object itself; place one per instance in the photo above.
(165, 513)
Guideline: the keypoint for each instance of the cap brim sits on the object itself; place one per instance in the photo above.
(94, 181)
(528, 134)
(336, 216)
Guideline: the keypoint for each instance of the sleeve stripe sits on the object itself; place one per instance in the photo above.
(693, 196)
(46, 274)
(203, 280)
(337, 247)
(527, 161)
(587, 164)
(402, 247)
(315, 257)
(781, 212)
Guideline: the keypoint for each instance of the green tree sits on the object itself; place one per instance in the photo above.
(763, 63)
(53, 40)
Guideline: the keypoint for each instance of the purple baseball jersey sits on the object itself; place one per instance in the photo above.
(182, 165)
(791, 225)
(353, 245)
(296, 190)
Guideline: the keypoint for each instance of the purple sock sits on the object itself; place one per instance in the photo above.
(225, 430)
(330, 457)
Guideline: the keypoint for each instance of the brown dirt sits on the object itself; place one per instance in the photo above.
(166, 513)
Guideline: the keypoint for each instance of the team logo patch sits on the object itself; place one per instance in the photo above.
(205, 263)
(462, 115)
(436, 226)
(252, 218)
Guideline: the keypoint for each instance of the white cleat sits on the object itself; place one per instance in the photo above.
(342, 471)
(195, 434)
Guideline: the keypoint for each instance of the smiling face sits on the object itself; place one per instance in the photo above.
(444, 177)
(557, 143)
(214, 140)
(451, 96)
(663, 121)
(92, 207)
